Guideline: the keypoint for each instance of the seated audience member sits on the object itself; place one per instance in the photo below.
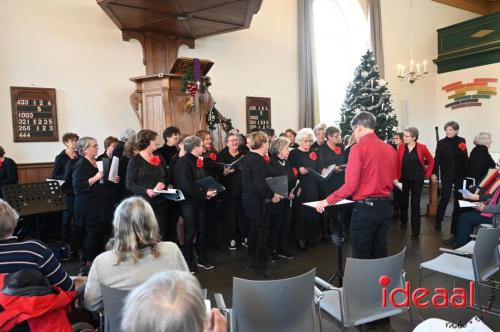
(134, 252)
(18, 255)
(147, 172)
(170, 301)
(290, 134)
(8, 170)
(319, 134)
(480, 161)
(171, 136)
(484, 214)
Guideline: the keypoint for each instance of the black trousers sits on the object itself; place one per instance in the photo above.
(258, 237)
(67, 217)
(369, 227)
(446, 189)
(415, 187)
(160, 208)
(236, 225)
(280, 226)
(194, 225)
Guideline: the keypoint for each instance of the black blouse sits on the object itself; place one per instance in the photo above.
(480, 162)
(167, 152)
(141, 176)
(308, 182)
(232, 181)
(8, 173)
(411, 169)
(82, 172)
(60, 164)
(450, 159)
(255, 190)
(186, 172)
(328, 157)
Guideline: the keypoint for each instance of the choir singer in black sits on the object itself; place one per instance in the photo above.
(255, 191)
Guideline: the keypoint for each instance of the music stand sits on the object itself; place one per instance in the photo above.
(35, 199)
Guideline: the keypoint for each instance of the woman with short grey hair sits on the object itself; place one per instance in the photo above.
(179, 293)
(480, 160)
(88, 199)
(319, 133)
(303, 159)
(134, 252)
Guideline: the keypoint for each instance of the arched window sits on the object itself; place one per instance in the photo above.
(340, 38)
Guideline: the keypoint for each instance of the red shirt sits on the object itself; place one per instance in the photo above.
(370, 171)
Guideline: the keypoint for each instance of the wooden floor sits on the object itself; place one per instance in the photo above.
(323, 257)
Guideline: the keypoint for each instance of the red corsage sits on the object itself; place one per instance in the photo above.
(295, 171)
(336, 150)
(155, 161)
(212, 156)
(267, 159)
(313, 156)
(199, 163)
(462, 146)
(1, 163)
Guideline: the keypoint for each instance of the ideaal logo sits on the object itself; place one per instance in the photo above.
(440, 298)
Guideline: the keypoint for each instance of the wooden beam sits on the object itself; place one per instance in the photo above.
(481, 7)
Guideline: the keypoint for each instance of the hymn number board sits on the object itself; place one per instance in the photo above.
(34, 114)
(258, 113)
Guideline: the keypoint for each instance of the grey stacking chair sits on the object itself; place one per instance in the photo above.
(272, 306)
(359, 301)
(113, 300)
(476, 262)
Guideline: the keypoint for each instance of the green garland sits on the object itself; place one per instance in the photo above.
(187, 78)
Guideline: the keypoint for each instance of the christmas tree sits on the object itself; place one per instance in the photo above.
(368, 92)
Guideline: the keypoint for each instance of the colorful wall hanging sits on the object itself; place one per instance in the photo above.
(469, 94)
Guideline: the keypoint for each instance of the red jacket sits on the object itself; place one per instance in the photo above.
(424, 156)
(44, 313)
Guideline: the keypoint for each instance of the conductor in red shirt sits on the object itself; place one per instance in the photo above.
(369, 181)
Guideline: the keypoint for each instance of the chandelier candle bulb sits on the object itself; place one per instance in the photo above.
(425, 67)
(418, 68)
(411, 66)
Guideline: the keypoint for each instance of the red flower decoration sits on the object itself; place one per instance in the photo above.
(155, 161)
(212, 156)
(267, 159)
(462, 146)
(1, 163)
(295, 171)
(199, 163)
(336, 150)
(313, 156)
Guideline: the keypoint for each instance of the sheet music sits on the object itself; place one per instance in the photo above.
(315, 203)
(163, 191)
(100, 168)
(399, 185)
(113, 169)
(466, 204)
(465, 192)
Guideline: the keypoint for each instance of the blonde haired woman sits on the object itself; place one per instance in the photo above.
(134, 252)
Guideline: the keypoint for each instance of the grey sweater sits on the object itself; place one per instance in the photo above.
(127, 275)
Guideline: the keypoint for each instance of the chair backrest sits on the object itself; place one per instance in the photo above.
(275, 305)
(113, 299)
(362, 292)
(486, 257)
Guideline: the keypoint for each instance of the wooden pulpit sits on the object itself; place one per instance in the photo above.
(159, 102)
